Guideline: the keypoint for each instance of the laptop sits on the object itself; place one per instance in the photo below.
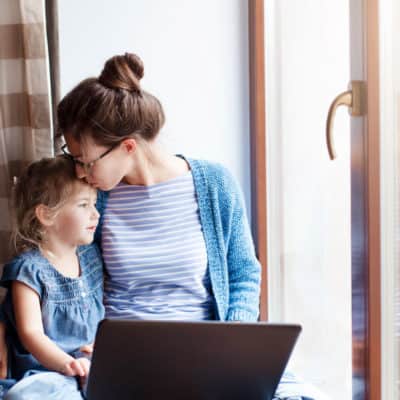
(210, 360)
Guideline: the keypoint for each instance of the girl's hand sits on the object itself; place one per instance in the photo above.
(77, 367)
(3, 352)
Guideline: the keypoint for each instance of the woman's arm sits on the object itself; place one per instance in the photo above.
(243, 266)
(28, 319)
(244, 272)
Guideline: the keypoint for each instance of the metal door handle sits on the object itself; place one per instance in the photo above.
(354, 98)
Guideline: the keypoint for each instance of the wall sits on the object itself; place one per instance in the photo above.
(196, 62)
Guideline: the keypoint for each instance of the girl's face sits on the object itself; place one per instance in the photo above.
(76, 221)
(102, 167)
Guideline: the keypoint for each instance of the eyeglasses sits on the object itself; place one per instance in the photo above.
(89, 165)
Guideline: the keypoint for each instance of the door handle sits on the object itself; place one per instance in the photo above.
(354, 98)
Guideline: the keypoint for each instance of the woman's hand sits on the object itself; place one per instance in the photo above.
(87, 349)
(3, 351)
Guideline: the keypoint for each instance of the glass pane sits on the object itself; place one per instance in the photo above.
(309, 243)
(390, 187)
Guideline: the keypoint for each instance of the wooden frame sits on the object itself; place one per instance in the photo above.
(373, 168)
(258, 143)
(51, 8)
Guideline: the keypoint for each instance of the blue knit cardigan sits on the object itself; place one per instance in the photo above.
(233, 266)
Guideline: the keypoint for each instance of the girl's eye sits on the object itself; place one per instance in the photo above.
(84, 205)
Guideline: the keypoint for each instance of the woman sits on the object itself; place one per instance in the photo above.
(174, 234)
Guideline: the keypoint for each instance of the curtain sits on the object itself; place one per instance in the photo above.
(25, 101)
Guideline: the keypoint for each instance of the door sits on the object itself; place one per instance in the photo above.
(323, 243)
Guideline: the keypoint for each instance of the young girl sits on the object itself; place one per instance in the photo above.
(54, 301)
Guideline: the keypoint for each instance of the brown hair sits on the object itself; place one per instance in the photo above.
(111, 107)
(50, 182)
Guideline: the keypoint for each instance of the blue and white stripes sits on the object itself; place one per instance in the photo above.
(155, 254)
(232, 263)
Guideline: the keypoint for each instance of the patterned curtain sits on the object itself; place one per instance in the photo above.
(25, 104)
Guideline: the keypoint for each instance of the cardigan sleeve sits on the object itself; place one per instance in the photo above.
(244, 271)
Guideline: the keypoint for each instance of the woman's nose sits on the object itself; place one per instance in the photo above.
(80, 171)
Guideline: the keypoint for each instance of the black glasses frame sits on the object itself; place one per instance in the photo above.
(89, 165)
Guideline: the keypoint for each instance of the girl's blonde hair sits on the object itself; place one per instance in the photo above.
(50, 182)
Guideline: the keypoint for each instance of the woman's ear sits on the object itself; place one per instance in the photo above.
(129, 145)
(44, 215)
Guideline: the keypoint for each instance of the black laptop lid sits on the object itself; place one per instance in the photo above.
(189, 360)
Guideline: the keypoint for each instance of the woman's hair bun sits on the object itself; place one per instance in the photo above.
(123, 72)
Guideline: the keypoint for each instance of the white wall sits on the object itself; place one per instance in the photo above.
(389, 64)
(196, 62)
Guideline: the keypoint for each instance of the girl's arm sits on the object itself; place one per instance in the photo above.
(28, 318)
(3, 351)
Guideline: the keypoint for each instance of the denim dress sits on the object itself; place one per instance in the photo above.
(71, 307)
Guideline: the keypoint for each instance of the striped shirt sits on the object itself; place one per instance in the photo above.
(155, 253)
